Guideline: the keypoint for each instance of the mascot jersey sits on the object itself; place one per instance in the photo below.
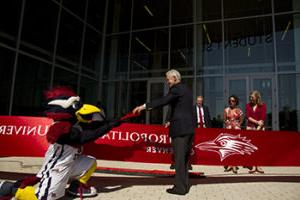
(63, 160)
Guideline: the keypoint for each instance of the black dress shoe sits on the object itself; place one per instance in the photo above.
(175, 191)
(172, 166)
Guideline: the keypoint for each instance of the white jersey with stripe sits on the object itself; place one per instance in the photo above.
(56, 170)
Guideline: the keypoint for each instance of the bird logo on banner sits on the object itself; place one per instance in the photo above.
(227, 145)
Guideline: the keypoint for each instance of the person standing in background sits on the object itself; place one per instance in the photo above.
(256, 116)
(201, 114)
(233, 119)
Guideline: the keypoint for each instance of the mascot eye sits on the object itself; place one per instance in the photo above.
(76, 105)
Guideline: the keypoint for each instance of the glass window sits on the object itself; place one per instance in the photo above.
(287, 5)
(189, 82)
(182, 11)
(9, 28)
(65, 78)
(182, 49)
(138, 96)
(92, 49)
(95, 15)
(149, 57)
(32, 78)
(39, 28)
(116, 56)
(249, 45)
(209, 48)
(150, 13)
(88, 90)
(289, 102)
(241, 8)
(75, 6)
(208, 9)
(7, 58)
(288, 42)
(69, 40)
(114, 98)
(119, 16)
(211, 89)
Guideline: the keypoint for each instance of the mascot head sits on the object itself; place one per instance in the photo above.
(64, 104)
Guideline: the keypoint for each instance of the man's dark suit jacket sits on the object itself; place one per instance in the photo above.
(207, 119)
(181, 118)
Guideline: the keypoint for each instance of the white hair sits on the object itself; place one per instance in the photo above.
(174, 73)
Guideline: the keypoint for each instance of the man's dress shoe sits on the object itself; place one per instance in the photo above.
(175, 191)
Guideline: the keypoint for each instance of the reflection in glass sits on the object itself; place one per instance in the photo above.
(138, 96)
(39, 28)
(288, 42)
(182, 49)
(114, 97)
(241, 8)
(156, 91)
(6, 73)
(75, 6)
(209, 48)
(32, 78)
(69, 40)
(9, 28)
(88, 88)
(95, 15)
(180, 15)
(92, 50)
(119, 15)
(149, 55)
(207, 9)
(65, 77)
(249, 45)
(286, 5)
(289, 102)
(152, 13)
(116, 56)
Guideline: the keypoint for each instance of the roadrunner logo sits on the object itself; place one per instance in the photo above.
(227, 145)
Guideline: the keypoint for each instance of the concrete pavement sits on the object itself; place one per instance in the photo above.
(282, 183)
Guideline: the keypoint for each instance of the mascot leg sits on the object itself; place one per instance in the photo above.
(84, 167)
(27, 193)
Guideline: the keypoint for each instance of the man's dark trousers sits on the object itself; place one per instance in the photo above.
(182, 147)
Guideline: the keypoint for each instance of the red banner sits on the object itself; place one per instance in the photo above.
(25, 136)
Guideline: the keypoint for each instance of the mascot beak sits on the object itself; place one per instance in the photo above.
(89, 113)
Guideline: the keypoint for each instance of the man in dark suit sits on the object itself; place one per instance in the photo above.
(181, 128)
(201, 114)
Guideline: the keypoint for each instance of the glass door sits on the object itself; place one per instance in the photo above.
(156, 89)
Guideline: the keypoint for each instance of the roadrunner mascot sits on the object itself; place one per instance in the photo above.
(74, 125)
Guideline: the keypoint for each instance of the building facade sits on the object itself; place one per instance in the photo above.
(116, 53)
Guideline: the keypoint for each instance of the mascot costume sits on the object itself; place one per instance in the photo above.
(74, 125)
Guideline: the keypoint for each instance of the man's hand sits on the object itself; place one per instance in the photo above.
(138, 109)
